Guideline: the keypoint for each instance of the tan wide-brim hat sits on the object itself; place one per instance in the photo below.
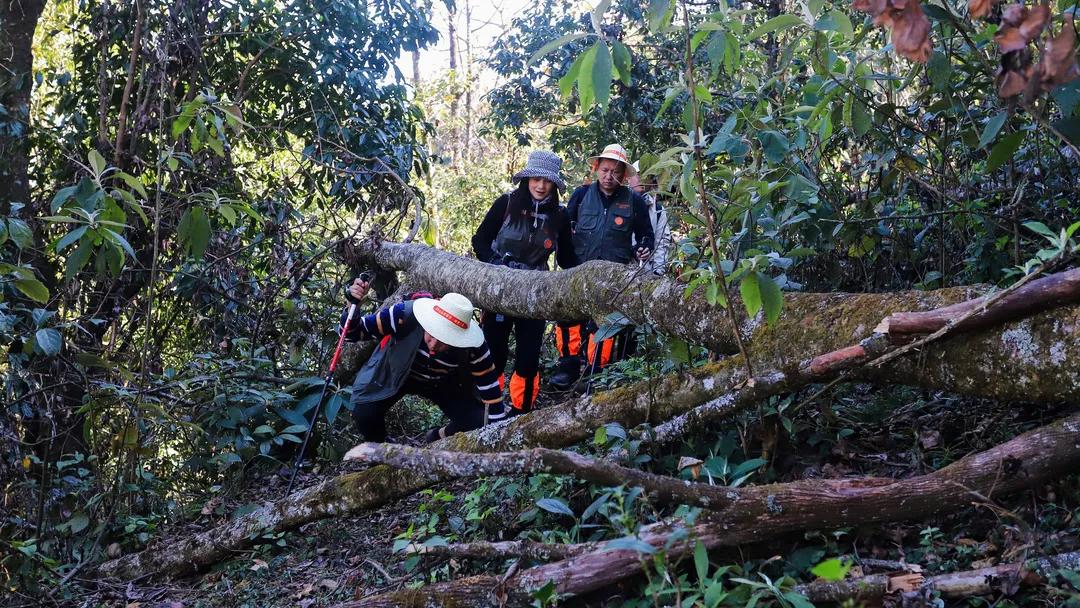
(615, 152)
(449, 320)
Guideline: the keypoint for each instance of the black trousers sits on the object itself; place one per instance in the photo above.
(458, 402)
(575, 342)
(529, 338)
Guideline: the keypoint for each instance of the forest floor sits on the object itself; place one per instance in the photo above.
(856, 431)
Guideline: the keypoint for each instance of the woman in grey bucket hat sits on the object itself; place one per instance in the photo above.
(521, 230)
(543, 164)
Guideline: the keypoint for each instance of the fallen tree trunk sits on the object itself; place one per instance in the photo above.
(1037, 359)
(1032, 360)
(759, 513)
(1003, 578)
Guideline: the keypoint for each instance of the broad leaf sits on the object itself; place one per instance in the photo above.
(602, 75)
(48, 341)
(554, 505)
(778, 23)
(1004, 150)
(992, 127)
(33, 289)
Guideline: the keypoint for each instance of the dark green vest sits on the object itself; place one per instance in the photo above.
(388, 367)
(605, 233)
(527, 239)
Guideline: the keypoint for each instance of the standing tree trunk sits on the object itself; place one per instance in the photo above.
(18, 21)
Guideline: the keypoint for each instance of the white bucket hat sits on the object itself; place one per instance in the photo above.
(616, 152)
(449, 320)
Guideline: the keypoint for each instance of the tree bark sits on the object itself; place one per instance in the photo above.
(759, 513)
(18, 21)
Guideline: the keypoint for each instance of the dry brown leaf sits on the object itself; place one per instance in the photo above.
(1058, 62)
(1011, 84)
(911, 34)
(258, 564)
(980, 8)
(909, 25)
(1020, 25)
(329, 583)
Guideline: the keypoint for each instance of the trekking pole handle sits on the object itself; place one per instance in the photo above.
(341, 338)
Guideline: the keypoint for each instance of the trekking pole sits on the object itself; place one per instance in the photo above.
(318, 405)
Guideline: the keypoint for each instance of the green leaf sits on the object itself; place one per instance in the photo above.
(333, 407)
(1041, 228)
(751, 293)
(119, 240)
(199, 237)
(566, 83)
(835, 21)
(1003, 151)
(78, 522)
(33, 289)
(621, 57)
(132, 182)
(602, 75)
(939, 71)
(554, 505)
(20, 233)
(554, 44)
(3, 231)
(701, 561)
(48, 341)
(659, 14)
(70, 238)
(181, 123)
(775, 146)
(1069, 128)
(586, 87)
(61, 196)
(831, 569)
(991, 129)
(771, 298)
(780, 22)
(78, 258)
(97, 162)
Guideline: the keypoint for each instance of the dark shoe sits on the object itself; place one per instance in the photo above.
(432, 435)
(562, 380)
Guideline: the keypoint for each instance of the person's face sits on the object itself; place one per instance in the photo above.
(609, 175)
(635, 183)
(540, 187)
(433, 345)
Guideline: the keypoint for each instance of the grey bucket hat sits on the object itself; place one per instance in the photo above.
(544, 164)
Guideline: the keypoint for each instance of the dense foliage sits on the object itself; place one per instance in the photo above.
(195, 170)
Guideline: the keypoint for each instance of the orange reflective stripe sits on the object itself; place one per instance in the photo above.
(502, 382)
(573, 337)
(606, 348)
(520, 396)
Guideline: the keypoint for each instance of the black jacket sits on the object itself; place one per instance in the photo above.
(496, 215)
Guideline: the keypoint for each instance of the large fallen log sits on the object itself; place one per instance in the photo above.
(1031, 360)
(1035, 359)
(759, 513)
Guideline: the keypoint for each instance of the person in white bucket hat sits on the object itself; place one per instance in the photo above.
(609, 222)
(428, 347)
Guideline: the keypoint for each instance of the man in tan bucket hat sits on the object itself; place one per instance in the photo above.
(428, 347)
(607, 219)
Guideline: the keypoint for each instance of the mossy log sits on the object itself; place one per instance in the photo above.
(760, 513)
(1036, 359)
